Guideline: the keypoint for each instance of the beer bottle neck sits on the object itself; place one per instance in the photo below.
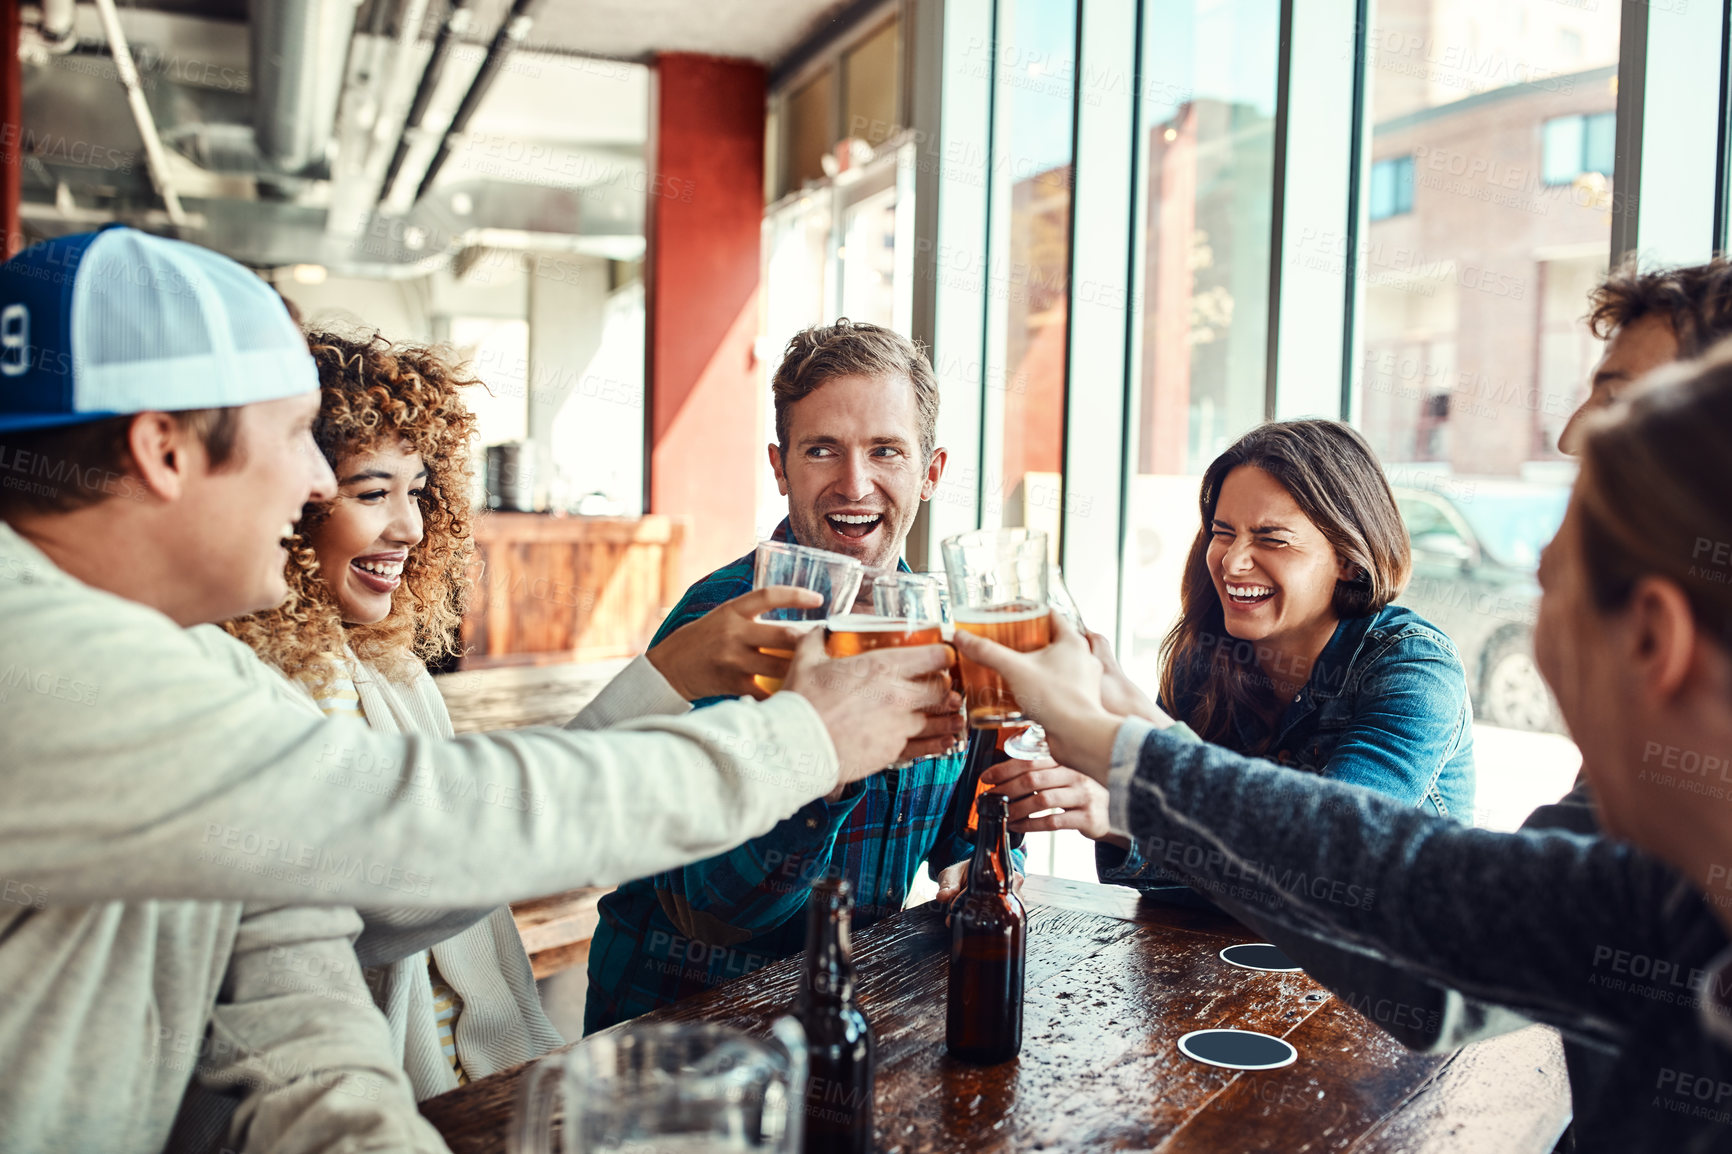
(829, 971)
(991, 869)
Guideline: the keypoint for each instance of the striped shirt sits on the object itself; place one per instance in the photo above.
(447, 1005)
(340, 698)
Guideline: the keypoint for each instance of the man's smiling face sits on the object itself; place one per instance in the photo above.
(853, 470)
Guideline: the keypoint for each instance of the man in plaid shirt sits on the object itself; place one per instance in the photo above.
(856, 426)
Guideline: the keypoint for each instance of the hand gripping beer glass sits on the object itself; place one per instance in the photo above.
(1030, 744)
(907, 609)
(832, 575)
(998, 590)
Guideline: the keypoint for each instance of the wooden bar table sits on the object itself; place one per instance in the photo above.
(1112, 984)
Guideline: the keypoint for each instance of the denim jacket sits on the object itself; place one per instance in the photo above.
(1385, 707)
(1393, 909)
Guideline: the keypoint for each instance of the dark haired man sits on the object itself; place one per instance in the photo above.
(856, 452)
(1649, 319)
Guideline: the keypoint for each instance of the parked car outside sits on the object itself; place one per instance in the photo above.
(1476, 549)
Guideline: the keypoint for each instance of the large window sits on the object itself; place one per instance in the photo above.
(1206, 152)
(837, 110)
(839, 248)
(1577, 144)
(1404, 238)
(1028, 261)
(1392, 187)
(1473, 351)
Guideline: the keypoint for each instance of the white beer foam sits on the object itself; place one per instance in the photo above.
(863, 623)
(998, 616)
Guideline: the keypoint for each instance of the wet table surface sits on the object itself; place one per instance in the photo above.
(1112, 984)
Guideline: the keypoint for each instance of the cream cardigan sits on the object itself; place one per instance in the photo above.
(502, 1023)
(479, 952)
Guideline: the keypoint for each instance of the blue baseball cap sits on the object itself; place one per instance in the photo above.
(107, 323)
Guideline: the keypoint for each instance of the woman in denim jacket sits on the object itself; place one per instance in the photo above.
(1287, 647)
(1621, 940)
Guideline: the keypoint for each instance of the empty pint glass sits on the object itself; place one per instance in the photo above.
(833, 576)
(998, 591)
(670, 1089)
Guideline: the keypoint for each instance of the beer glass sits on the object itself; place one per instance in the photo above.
(834, 576)
(1030, 744)
(998, 590)
(947, 624)
(667, 1088)
(948, 628)
(907, 609)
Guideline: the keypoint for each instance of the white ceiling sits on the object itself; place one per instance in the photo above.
(761, 30)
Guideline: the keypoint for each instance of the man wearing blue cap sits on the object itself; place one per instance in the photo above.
(155, 449)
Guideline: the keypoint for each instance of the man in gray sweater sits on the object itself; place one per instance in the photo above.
(179, 844)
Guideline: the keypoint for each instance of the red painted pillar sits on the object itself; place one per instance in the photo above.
(706, 208)
(11, 128)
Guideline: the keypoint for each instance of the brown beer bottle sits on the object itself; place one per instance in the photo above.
(839, 1049)
(988, 944)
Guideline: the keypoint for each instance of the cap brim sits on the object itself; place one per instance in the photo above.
(19, 422)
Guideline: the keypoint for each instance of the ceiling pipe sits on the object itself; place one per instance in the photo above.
(513, 30)
(154, 158)
(363, 103)
(298, 52)
(374, 87)
(408, 36)
(451, 33)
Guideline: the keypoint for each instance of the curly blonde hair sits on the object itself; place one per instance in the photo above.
(378, 393)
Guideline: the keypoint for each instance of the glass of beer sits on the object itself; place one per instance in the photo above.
(907, 609)
(998, 590)
(948, 625)
(1030, 744)
(834, 576)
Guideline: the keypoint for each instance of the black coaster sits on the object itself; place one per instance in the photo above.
(1237, 1049)
(1259, 956)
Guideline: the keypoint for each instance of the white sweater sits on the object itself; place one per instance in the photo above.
(502, 1023)
(138, 768)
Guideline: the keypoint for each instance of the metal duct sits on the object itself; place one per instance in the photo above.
(512, 31)
(298, 52)
(154, 158)
(450, 34)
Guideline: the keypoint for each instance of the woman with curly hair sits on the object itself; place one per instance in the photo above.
(377, 584)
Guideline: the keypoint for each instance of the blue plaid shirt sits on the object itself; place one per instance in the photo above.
(678, 933)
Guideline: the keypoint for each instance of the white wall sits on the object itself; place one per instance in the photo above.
(587, 386)
(573, 383)
(398, 309)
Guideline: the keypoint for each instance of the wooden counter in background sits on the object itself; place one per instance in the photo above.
(563, 589)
